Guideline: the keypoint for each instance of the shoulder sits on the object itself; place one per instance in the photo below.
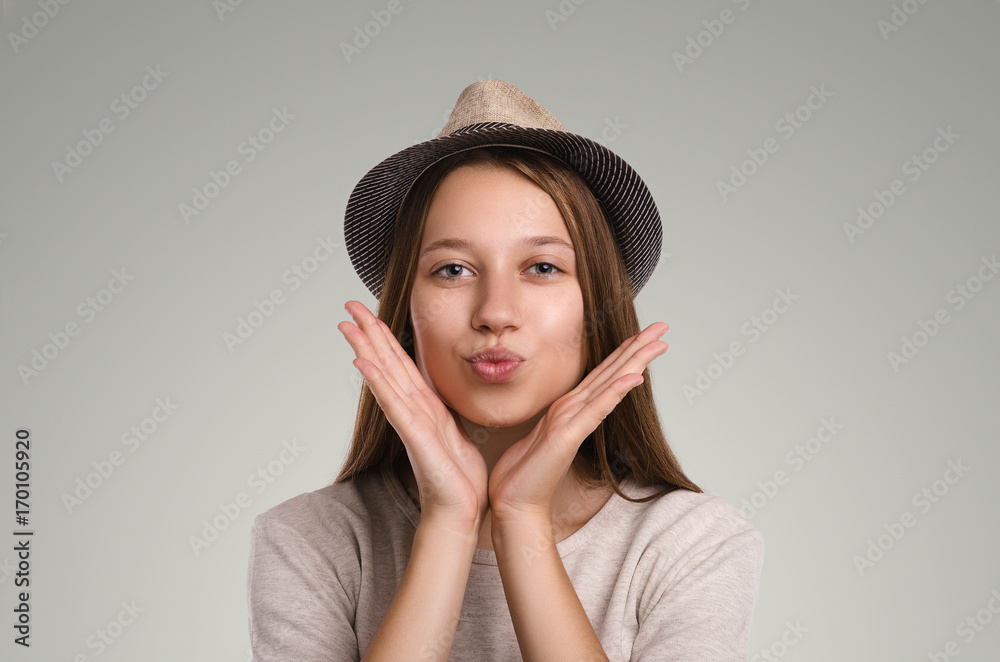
(307, 571)
(694, 578)
(327, 516)
(684, 524)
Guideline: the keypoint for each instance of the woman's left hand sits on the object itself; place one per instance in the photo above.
(524, 480)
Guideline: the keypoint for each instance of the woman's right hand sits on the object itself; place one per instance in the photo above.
(450, 471)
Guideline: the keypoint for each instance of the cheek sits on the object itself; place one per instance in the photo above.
(430, 310)
(563, 317)
(434, 334)
(428, 350)
(561, 326)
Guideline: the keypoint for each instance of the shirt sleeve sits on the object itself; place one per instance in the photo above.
(703, 612)
(298, 608)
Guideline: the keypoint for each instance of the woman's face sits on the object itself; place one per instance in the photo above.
(497, 268)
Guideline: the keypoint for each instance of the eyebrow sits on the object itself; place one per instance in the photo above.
(468, 245)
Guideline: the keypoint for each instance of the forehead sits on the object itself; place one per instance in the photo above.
(491, 203)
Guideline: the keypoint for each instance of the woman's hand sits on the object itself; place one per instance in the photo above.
(524, 479)
(449, 469)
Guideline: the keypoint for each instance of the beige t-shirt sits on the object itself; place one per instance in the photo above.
(675, 578)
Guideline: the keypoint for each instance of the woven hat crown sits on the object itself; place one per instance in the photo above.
(498, 101)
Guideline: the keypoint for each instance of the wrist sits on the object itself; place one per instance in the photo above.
(520, 523)
(456, 531)
(513, 517)
(522, 540)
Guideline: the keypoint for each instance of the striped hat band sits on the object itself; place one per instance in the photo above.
(494, 112)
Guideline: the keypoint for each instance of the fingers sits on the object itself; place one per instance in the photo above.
(632, 356)
(416, 379)
(393, 378)
(605, 387)
(604, 402)
(379, 346)
(387, 374)
(386, 394)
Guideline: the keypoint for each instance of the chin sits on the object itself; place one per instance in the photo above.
(490, 419)
(497, 415)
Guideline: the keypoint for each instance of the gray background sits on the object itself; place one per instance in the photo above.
(682, 127)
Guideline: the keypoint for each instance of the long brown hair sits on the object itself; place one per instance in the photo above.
(630, 439)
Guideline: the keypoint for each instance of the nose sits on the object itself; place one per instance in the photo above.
(497, 305)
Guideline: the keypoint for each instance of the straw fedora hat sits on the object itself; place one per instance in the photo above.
(494, 112)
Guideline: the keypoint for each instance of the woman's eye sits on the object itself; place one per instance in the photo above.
(549, 268)
(450, 270)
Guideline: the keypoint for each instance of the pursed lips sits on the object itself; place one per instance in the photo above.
(496, 354)
(495, 364)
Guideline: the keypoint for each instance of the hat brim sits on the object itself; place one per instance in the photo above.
(374, 203)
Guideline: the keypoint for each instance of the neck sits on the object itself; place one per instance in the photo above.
(492, 442)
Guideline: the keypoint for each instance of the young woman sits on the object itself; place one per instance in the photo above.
(509, 493)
